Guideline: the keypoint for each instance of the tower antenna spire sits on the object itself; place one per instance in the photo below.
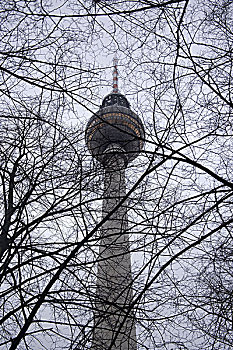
(115, 75)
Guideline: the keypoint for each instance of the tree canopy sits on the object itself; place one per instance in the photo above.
(175, 62)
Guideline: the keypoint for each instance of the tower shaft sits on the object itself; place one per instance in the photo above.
(115, 136)
(114, 323)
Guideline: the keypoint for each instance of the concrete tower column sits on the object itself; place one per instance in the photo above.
(114, 324)
(115, 137)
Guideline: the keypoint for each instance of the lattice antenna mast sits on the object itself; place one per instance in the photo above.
(115, 75)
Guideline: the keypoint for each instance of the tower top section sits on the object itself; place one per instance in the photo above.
(115, 129)
(115, 99)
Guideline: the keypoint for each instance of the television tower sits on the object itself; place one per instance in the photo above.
(114, 136)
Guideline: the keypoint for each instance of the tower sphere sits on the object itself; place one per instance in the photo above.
(115, 124)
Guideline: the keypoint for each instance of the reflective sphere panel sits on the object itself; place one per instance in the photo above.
(118, 125)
